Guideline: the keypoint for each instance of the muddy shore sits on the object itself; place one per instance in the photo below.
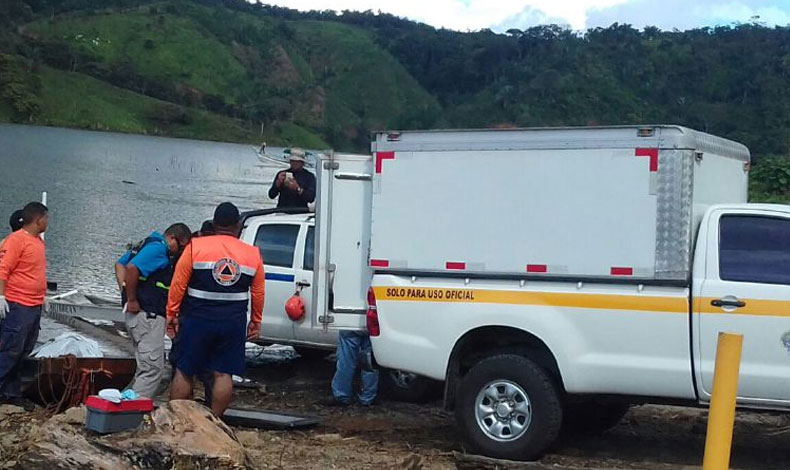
(395, 435)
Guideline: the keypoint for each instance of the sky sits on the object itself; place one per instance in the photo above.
(501, 15)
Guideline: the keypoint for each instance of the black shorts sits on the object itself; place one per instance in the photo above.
(216, 345)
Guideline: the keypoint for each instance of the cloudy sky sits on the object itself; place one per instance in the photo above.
(501, 15)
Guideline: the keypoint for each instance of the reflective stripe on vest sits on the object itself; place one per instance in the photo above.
(226, 296)
(210, 266)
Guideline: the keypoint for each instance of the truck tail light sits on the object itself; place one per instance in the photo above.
(372, 314)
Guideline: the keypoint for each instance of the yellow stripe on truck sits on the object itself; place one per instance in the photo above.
(553, 299)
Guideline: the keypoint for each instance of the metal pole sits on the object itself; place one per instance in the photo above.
(718, 443)
(43, 201)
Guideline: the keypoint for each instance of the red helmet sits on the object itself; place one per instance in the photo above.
(294, 307)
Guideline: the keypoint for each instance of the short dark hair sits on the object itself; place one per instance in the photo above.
(180, 231)
(15, 221)
(226, 215)
(32, 211)
(207, 228)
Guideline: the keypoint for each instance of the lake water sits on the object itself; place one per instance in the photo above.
(94, 214)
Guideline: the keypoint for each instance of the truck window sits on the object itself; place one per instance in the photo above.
(277, 243)
(309, 249)
(754, 249)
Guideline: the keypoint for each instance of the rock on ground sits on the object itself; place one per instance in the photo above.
(180, 434)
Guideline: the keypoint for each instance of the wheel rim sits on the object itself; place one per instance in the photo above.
(402, 379)
(503, 410)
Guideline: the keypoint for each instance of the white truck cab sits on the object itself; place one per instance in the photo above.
(287, 244)
(324, 256)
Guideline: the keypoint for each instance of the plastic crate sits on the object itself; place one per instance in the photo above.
(106, 417)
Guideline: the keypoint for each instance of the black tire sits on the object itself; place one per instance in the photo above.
(591, 417)
(541, 391)
(402, 386)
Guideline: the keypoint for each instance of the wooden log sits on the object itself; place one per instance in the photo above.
(479, 462)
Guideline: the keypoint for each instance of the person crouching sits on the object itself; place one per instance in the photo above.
(144, 274)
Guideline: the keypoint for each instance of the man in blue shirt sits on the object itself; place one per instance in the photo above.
(144, 273)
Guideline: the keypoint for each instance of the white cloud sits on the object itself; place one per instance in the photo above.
(463, 15)
(500, 15)
(664, 14)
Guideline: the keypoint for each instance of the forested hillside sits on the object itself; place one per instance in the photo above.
(229, 69)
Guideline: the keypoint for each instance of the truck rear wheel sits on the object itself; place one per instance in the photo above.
(508, 407)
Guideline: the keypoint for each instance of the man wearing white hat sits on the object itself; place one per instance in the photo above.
(295, 186)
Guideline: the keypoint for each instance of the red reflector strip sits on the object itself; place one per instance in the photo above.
(379, 263)
(651, 153)
(455, 266)
(381, 156)
(622, 271)
(537, 268)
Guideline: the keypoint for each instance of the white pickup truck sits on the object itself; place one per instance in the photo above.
(547, 275)
(336, 294)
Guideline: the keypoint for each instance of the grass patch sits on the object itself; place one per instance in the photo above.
(164, 47)
(75, 100)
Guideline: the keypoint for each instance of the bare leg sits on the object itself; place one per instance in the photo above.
(221, 393)
(181, 387)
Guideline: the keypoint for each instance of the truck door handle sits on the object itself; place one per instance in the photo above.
(727, 303)
(303, 284)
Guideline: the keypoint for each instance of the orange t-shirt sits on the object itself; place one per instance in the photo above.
(23, 265)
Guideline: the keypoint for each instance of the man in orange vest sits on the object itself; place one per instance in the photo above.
(214, 280)
(23, 284)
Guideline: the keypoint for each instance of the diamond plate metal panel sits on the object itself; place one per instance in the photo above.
(673, 221)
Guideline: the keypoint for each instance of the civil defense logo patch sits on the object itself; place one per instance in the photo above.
(226, 272)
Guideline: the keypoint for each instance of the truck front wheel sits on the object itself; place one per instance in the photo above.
(508, 407)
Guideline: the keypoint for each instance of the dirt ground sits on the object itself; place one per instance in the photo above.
(394, 435)
(401, 435)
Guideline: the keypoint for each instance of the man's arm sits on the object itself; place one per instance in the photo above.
(258, 291)
(178, 286)
(120, 275)
(308, 190)
(9, 258)
(132, 276)
(274, 191)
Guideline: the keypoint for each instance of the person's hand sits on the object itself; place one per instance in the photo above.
(280, 179)
(3, 307)
(171, 327)
(254, 330)
(132, 306)
(293, 185)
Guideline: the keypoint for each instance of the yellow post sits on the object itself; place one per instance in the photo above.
(722, 404)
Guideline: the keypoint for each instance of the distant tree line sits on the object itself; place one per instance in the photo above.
(728, 80)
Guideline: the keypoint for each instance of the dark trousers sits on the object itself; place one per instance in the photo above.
(18, 336)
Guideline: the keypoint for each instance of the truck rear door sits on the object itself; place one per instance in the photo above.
(342, 233)
(742, 285)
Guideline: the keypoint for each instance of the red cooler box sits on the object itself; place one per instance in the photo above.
(107, 417)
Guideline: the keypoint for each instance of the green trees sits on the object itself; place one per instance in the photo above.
(341, 75)
(19, 86)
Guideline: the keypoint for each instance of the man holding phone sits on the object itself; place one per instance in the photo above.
(294, 186)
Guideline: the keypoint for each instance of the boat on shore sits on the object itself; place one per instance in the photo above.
(282, 159)
(87, 306)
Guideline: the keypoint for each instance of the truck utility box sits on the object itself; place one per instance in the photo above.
(597, 202)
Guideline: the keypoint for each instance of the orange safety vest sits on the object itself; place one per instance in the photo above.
(221, 275)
